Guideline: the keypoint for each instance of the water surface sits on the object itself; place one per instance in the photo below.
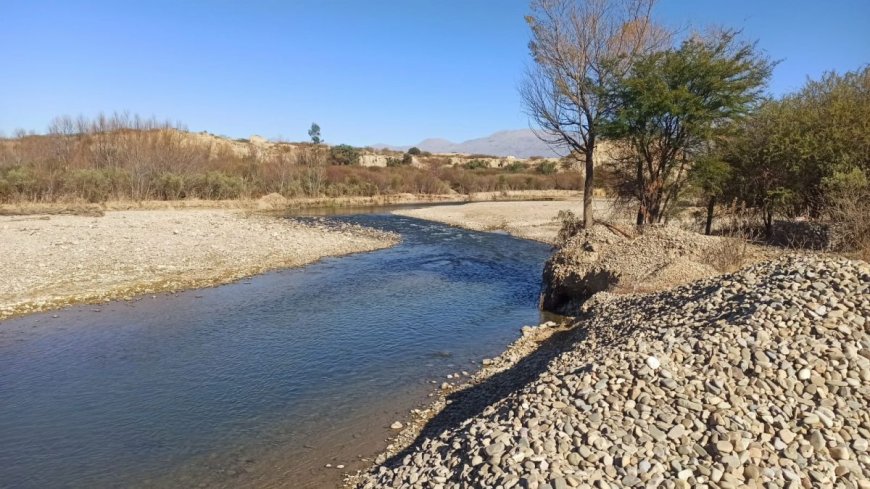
(262, 382)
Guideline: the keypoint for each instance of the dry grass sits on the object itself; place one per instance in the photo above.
(119, 158)
(31, 208)
(851, 213)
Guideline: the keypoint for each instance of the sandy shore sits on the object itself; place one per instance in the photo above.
(51, 261)
(526, 219)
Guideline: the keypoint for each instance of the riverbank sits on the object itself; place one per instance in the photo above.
(51, 261)
(530, 219)
(763, 382)
(276, 202)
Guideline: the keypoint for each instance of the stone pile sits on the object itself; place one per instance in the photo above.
(756, 379)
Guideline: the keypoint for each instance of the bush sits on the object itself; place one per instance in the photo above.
(217, 185)
(170, 186)
(515, 166)
(547, 167)
(406, 160)
(22, 182)
(415, 151)
(344, 154)
(476, 164)
(93, 185)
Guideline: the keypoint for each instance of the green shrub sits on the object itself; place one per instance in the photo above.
(344, 154)
(93, 185)
(415, 151)
(476, 164)
(170, 186)
(407, 159)
(547, 168)
(515, 166)
(22, 180)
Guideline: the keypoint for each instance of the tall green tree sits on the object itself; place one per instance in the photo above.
(314, 133)
(580, 47)
(677, 104)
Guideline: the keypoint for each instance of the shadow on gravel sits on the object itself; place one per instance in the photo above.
(471, 401)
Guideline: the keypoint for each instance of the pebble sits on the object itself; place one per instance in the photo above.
(765, 386)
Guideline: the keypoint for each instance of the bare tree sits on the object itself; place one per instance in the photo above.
(314, 161)
(580, 48)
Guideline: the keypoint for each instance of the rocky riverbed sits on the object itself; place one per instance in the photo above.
(48, 261)
(760, 378)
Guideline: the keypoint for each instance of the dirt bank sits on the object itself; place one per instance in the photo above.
(621, 259)
(49, 261)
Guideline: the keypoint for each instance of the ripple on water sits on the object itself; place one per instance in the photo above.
(257, 382)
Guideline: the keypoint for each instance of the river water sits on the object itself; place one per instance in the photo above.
(262, 382)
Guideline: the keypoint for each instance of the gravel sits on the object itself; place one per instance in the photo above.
(724, 404)
(51, 261)
(529, 219)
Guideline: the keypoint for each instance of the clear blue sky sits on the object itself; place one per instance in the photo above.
(366, 71)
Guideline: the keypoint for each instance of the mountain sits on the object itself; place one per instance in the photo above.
(521, 143)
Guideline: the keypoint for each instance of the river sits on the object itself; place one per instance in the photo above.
(262, 382)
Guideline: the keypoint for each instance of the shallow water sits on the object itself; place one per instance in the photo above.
(262, 382)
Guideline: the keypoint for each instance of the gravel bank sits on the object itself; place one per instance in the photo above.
(51, 261)
(756, 379)
(530, 219)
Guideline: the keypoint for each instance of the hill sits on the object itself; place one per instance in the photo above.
(521, 143)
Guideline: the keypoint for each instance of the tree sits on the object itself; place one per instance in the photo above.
(710, 175)
(414, 151)
(677, 104)
(796, 152)
(314, 133)
(580, 48)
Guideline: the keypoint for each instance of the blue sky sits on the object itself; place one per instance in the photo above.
(366, 71)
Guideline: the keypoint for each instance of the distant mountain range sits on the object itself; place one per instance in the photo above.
(521, 143)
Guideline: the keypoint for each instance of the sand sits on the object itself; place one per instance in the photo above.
(525, 219)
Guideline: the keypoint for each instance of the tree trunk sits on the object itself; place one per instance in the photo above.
(588, 185)
(710, 206)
